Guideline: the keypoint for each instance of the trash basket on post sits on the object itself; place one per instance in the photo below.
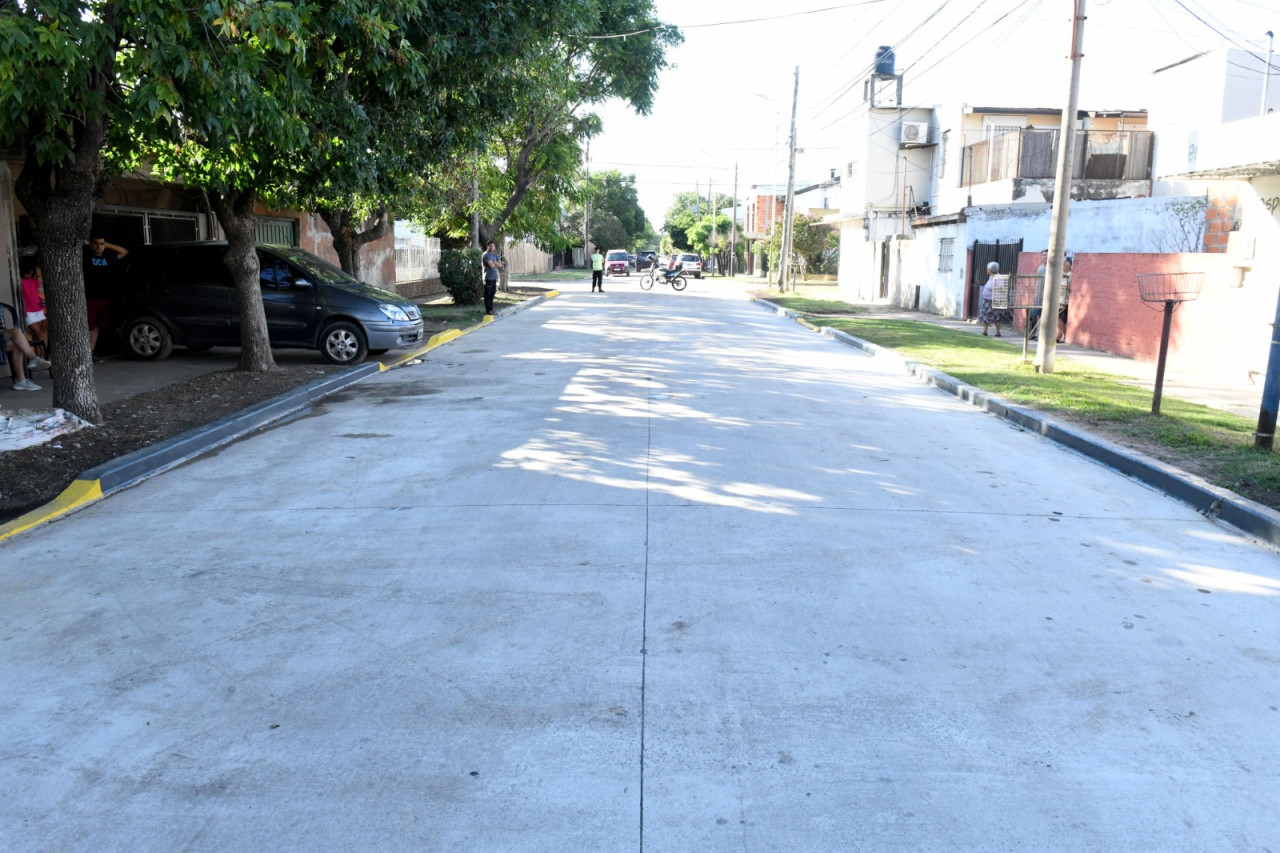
(1171, 288)
(1026, 293)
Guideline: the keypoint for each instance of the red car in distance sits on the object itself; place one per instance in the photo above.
(617, 261)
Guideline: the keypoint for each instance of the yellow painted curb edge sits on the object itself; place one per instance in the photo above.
(80, 493)
(446, 336)
(432, 342)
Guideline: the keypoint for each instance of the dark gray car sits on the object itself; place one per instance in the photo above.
(181, 293)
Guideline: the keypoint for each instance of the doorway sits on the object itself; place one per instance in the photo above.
(1005, 254)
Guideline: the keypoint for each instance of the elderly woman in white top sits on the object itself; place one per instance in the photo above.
(986, 314)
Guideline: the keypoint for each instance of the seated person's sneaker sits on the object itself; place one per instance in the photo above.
(25, 385)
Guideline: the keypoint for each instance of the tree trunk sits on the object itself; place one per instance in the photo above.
(339, 223)
(347, 241)
(236, 216)
(60, 201)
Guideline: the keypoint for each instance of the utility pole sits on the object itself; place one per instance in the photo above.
(1047, 344)
(791, 189)
(733, 228)
(1266, 72)
(711, 205)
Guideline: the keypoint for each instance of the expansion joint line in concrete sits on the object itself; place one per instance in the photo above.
(644, 608)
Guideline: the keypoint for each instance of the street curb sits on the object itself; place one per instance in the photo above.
(453, 334)
(132, 468)
(1213, 501)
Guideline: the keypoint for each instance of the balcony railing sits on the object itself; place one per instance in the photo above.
(1112, 155)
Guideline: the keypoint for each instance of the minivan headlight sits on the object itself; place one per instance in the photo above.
(394, 312)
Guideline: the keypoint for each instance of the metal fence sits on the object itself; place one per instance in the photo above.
(418, 262)
(1118, 155)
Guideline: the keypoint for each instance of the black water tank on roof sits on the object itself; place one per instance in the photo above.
(884, 60)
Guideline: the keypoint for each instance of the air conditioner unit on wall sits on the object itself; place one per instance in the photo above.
(915, 133)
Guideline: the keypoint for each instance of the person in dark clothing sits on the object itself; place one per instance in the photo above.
(100, 265)
(492, 262)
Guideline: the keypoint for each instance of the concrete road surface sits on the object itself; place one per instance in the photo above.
(640, 571)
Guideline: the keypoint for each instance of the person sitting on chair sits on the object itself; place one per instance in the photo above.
(16, 346)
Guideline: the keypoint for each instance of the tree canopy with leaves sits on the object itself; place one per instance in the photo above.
(531, 162)
(687, 209)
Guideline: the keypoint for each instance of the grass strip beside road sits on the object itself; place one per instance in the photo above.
(1213, 444)
(444, 315)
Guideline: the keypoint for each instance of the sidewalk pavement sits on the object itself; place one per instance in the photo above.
(118, 377)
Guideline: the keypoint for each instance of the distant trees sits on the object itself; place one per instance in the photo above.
(687, 210)
(813, 242)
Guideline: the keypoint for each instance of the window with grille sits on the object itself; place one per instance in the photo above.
(945, 247)
(277, 232)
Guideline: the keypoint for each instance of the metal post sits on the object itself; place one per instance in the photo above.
(1164, 352)
(1048, 341)
(1270, 390)
(789, 212)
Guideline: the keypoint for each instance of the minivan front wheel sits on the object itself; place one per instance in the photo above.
(343, 343)
(147, 339)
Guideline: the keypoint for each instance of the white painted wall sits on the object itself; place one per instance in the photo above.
(1254, 250)
(918, 263)
(859, 272)
(1110, 225)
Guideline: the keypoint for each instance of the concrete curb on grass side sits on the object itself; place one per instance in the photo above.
(133, 468)
(1248, 516)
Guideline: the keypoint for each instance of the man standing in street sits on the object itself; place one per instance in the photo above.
(597, 271)
(492, 262)
(100, 263)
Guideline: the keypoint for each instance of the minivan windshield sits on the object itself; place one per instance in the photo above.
(617, 256)
(318, 270)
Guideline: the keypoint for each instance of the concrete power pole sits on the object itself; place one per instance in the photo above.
(586, 212)
(733, 227)
(789, 213)
(1047, 344)
(711, 205)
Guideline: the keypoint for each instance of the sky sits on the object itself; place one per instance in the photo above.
(728, 97)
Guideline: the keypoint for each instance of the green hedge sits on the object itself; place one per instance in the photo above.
(462, 275)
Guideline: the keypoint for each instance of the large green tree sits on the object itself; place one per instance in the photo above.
(615, 193)
(253, 97)
(531, 163)
(421, 124)
(77, 73)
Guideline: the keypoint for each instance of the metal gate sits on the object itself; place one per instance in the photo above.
(1005, 254)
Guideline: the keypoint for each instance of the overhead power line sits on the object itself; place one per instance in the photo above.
(741, 21)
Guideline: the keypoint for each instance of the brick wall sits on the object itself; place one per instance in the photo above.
(758, 216)
(1226, 332)
(1220, 220)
